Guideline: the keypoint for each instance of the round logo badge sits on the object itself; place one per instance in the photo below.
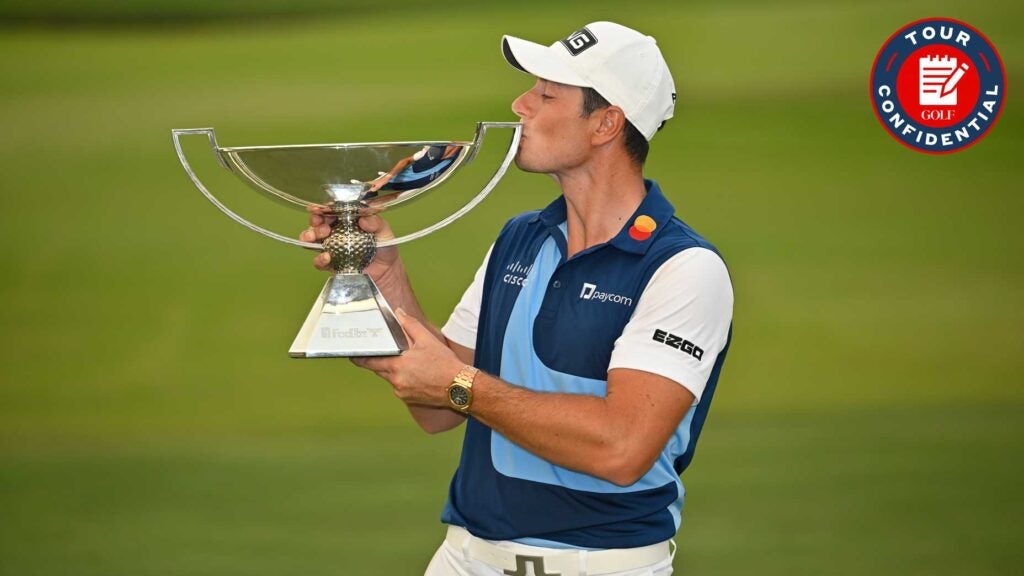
(938, 85)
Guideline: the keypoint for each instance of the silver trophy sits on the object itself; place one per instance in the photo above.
(350, 318)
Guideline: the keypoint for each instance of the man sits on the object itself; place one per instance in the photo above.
(585, 353)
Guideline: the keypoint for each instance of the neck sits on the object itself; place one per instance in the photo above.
(599, 198)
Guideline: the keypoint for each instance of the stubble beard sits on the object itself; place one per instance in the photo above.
(526, 165)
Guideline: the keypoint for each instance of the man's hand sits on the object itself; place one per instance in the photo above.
(386, 268)
(421, 375)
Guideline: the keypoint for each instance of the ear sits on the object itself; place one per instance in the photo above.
(611, 122)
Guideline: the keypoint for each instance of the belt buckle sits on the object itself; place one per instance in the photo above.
(538, 567)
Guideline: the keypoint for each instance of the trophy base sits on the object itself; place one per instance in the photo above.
(350, 318)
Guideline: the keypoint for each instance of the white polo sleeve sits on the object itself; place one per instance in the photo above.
(461, 325)
(681, 321)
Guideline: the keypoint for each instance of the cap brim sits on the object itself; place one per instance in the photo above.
(540, 61)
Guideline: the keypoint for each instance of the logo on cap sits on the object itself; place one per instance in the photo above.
(937, 85)
(579, 41)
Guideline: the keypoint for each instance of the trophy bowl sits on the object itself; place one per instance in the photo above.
(350, 317)
(377, 174)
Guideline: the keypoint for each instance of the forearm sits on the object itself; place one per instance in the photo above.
(433, 419)
(397, 290)
(617, 437)
(575, 431)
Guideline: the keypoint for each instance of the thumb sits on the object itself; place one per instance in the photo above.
(412, 326)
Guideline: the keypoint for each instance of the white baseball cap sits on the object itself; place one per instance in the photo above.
(624, 66)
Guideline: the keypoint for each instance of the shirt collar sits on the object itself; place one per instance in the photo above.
(654, 206)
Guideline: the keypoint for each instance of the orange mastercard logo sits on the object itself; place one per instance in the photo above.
(642, 228)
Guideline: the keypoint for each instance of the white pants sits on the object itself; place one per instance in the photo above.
(451, 561)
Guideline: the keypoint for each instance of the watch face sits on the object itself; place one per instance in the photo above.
(459, 396)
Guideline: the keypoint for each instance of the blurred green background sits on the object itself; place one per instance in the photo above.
(868, 420)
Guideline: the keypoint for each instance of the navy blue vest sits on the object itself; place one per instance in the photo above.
(563, 342)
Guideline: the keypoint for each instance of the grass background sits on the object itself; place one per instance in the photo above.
(868, 419)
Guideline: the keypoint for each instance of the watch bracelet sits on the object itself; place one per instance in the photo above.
(467, 375)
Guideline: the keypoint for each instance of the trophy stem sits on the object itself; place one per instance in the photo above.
(351, 248)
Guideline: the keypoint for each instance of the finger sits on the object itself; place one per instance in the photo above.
(371, 222)
(322, 261)
(307, 235)
(380, 364)
(413, 327)
(322, 219)
(322, 231)
(376, 225)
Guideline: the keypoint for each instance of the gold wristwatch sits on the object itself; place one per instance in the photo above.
(460, 391)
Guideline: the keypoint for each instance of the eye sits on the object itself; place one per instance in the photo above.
(546, 97)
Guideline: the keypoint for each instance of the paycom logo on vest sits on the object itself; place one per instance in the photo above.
(590, 292)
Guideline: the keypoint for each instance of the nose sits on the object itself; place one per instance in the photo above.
(520, 105)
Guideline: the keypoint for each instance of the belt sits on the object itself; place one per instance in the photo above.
(553, 561)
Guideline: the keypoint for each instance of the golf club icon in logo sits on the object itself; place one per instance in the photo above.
(350, 318)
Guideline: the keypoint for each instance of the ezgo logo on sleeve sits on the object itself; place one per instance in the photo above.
(938, 85)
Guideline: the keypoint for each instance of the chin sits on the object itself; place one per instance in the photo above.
(525, 165)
